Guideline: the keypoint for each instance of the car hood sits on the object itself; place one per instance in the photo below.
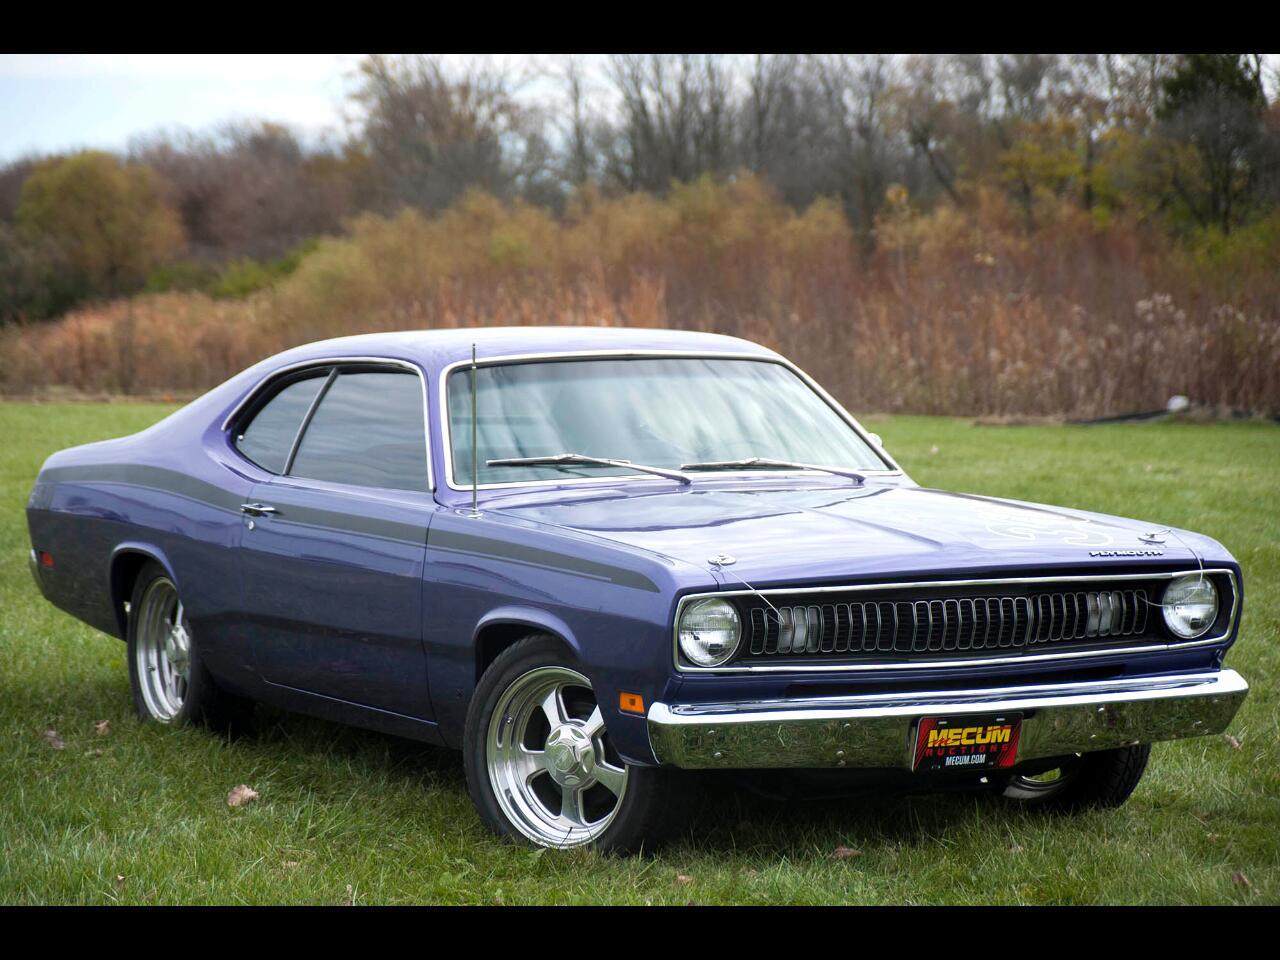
(797, 534)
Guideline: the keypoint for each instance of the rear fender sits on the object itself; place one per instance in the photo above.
(121, 571)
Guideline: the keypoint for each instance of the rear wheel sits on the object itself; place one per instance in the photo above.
(1101, 779)
(169, 680)
(539, 762)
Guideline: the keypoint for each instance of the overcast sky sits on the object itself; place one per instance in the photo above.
(54, 102)
(57, 102)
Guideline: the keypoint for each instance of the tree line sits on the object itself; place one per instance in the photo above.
(1188, 144)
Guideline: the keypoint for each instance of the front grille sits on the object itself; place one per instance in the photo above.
(922, 625)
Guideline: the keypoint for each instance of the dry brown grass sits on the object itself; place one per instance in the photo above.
(957, 311)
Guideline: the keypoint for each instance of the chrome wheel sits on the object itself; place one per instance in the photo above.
(554, 774)
(163, 650)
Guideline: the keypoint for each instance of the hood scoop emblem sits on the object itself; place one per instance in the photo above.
(722, 560)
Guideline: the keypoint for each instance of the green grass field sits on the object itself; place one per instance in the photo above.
(138, 815)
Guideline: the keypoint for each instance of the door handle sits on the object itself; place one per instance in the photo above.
(257, 509)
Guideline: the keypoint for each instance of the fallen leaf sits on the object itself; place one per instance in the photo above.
(844, 853)
(53, 740)
(1235, 744)
(291, 863)
(119, 881)
(933, 449)
(102, 727)
(240, 795)
(683, 878)
(351, 897)
(1212, 837)
(94, 753)
(1240, 880)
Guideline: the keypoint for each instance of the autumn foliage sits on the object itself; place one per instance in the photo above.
(959, 310)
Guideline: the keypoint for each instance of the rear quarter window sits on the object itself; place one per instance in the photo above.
(269, 436)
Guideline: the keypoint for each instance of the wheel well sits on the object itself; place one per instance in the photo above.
(124, 574)
(493, 639)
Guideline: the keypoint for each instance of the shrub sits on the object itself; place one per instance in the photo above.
(958, 311)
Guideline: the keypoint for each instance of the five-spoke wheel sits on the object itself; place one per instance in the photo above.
(549, 760)
(162, 650)
(170, 683)
(542, 765)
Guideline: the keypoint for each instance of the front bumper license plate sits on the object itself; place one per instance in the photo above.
(967, 742)
(881, 730)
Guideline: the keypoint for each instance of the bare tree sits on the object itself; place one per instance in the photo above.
(784, 135)
(1131, 86)
(248, 189)
(579, 149)
(678, 118)
(928, 116)
(432, 131)
(855, 97)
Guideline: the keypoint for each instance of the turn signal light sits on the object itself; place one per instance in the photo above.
(631, 703)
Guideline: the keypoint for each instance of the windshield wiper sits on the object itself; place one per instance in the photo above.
(562, 459)
(749, 462)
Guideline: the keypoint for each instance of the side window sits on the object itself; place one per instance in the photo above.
(269, 436)
(368, 430)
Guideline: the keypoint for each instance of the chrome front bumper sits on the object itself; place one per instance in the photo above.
(878, 731)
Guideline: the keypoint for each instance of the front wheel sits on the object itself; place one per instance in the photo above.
(539, 763)
(1101, 779)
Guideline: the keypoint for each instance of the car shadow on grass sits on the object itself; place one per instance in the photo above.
(789, 813)
(768, 813)
(775, 813)
(360, 753)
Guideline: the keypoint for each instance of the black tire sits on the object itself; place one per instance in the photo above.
(649, 806)
(1094, 780)
(203, 701)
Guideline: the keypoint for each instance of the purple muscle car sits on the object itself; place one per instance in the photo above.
(594, 558)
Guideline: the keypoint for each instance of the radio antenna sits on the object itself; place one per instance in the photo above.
(475, 448)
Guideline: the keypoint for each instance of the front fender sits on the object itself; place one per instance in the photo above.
(610, 605)
(611, 671)
(531, 617)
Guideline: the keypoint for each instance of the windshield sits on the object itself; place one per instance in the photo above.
(660, 412)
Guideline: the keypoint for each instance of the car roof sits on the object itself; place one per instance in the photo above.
(435, 349)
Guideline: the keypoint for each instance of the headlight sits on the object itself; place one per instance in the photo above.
(709, 630)
(1190, 606)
